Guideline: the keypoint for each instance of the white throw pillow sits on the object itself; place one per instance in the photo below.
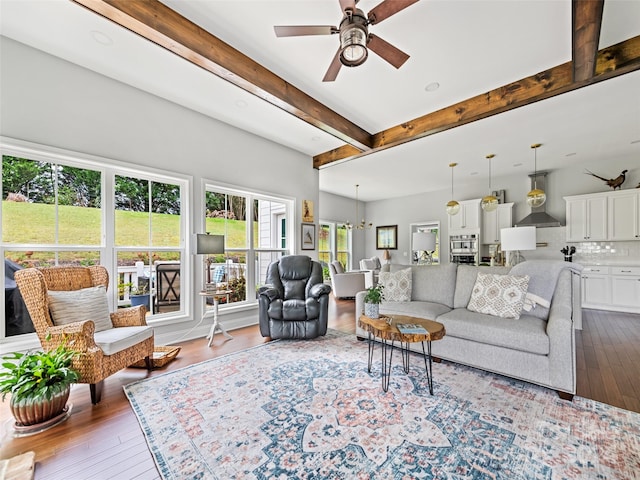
(499, 295)
(80, 305)
(397, 285)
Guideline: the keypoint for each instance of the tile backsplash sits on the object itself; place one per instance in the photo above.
(587, 253)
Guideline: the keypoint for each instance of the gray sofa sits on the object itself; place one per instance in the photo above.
(539, 347)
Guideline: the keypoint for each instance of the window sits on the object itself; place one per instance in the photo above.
(147, 226)
(343, 245)
(67, 209)
(326, 243)
(256, 231)
(51, 215)
(334, 242)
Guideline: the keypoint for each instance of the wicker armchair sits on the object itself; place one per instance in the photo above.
(92, 364)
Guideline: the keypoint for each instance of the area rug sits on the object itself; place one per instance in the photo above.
(310, 410)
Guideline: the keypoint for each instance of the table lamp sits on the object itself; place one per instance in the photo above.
(207, 244)
(426, 243)
(516, 239)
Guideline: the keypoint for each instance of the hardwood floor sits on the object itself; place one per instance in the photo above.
(105, 441)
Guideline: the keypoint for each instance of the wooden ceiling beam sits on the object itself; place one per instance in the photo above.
(586, 18)
(610, 62)
(159, 24)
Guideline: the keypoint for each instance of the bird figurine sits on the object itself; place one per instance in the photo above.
(612, 182)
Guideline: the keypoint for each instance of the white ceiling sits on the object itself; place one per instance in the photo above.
(468, 47)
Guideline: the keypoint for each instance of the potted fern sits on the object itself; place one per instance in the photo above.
(39, 384)
(372, 300)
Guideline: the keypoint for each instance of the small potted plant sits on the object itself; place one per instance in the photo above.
(39, 384)
(372, 301)
(138, 294)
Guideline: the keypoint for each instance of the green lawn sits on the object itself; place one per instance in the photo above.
(33, 223)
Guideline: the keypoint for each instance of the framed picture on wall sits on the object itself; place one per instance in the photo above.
(307, 211)
(308, 236)
(387, 237)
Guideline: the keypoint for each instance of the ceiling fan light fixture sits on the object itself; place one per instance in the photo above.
(353, 39)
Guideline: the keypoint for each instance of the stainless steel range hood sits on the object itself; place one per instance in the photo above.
(538, 216)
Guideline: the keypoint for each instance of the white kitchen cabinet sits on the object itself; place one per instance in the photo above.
(493, 222)
(625, 286)
(467, 219)
(624, 215)
(587, 218)
(596, 291)
(615, 288)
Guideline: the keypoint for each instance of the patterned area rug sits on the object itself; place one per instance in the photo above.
(310, 410)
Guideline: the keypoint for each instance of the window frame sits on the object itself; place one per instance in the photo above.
(250, 252)
(107, 248)
(333, 242)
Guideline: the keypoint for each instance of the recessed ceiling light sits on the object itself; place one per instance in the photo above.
(241, 104)
(517, 164)
(101, 37)
(432, 87)
(570, 154)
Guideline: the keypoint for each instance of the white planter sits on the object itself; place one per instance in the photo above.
(372, 310)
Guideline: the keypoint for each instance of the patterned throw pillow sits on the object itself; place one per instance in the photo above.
(397, 285)
(79, 305)
(499, 295)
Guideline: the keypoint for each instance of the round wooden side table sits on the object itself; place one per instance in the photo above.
(386, 329)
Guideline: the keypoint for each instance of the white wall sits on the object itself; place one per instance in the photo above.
(52, 102)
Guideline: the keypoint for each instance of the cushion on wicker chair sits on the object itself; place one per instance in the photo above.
(80, 305)
(115, 340)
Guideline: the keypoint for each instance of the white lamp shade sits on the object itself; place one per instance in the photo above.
(209, 244)
(518, 238)
(424, 241)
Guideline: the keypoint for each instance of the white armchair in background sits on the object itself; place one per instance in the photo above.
(373, 265)
(347, 284)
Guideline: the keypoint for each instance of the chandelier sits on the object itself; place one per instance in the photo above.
(362, 225)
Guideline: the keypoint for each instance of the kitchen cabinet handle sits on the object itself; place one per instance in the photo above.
(625, 271)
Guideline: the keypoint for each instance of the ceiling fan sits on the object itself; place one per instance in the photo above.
(355, 38)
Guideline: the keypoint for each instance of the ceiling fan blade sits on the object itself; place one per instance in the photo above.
(348, 5)
(388, 52)
(299, 30)
(384, 10)
(334, 68)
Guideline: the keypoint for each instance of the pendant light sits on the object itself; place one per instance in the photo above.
(362, 225)
(490, 202)
(536, 197)
(453, 207)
